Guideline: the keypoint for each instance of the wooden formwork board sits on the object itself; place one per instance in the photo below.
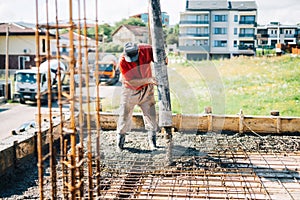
(210, 122)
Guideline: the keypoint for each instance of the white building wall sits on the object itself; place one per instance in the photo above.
(18, 44)
(123, 36)
(219, 37)
(232, 25)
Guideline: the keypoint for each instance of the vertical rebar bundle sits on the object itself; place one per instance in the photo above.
(77, 160)
(72, 149)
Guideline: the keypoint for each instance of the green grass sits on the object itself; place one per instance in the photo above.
(255, 85)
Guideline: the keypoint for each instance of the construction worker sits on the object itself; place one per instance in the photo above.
(137, 89)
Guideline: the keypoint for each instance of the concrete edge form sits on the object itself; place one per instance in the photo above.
(18, 148)
(216, 123)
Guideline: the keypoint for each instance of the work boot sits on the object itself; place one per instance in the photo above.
(120, 141)
(152, 140)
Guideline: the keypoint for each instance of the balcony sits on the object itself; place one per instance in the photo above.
(246, 47)
(194, 22)
(248, 22)
(264, 35)
(247, 35)
(283, 35)
(290, 35)
(194, 35)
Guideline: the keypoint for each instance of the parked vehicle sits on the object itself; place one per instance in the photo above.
(108, 70)
(26, 87)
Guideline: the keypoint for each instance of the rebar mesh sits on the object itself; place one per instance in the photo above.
(203, 166)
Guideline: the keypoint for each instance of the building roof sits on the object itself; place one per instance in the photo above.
(244, 5)
(18, 29)
(272, 26)
(136, 30)
(76, 36)
(220, 5)
(15, 29)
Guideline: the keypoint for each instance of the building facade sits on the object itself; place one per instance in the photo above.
(128, 33)
(165, 18)
(21, 45)
(275, 33)
(217, 29)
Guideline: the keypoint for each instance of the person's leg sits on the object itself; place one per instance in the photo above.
(127, 103)
(147, 105)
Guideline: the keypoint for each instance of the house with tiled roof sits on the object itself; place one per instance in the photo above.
(87, 44)
(21, 44)
(126, 33)
(64, 42)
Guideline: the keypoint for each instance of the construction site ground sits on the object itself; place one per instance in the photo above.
(203, 166)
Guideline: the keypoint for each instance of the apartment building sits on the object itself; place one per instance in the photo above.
(217, 29)
(276, 33)
(165, 18)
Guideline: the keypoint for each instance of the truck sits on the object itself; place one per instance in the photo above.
(108, 70)
(25, 81)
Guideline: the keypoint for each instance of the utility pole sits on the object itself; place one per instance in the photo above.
(7, 63)
(161, 73)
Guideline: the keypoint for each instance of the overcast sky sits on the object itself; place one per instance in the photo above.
(110, 11)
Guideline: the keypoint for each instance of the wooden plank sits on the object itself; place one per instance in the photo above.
(290, 125)
(208, 122)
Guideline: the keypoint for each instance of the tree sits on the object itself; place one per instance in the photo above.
(130, 21)
(172, 35)
(104, 31)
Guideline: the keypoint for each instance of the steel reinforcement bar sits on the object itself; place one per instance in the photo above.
(203, 166)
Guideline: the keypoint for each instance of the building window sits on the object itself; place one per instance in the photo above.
(220, 18)
(236, 18)
(206, 18)
(235, 43)
(190, 30)
(206, 30)
(288, 32)
(198, 32)
(195, 19)
(191, 18)
(235, 31)
(22, 60)
(220, 43)
(247, 32)
(220, 31)
(201, 42)
(247, 20)
(64, 48)
(43, 45)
